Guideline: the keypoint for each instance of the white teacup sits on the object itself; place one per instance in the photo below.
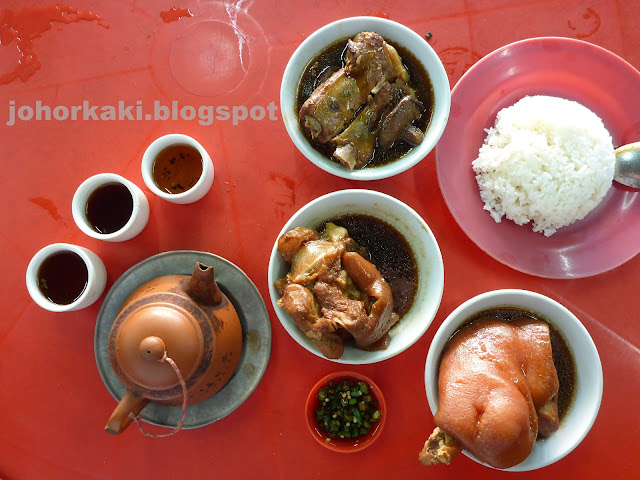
(96, 278)
(194, 193)
(137, 220)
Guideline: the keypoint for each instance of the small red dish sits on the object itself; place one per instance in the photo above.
(337, 444)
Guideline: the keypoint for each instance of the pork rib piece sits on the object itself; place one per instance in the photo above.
(332, 106)
(398, 121)
(355, 146)
(498, 389)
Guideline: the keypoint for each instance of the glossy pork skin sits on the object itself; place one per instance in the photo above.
(495, 379)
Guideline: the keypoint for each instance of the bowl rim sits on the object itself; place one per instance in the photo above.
(593, 389)
(347, 27)
(435, 274)
(344, 447)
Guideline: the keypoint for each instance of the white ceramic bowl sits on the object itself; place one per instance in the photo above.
(139, 214)
(96, 278)
(195, 193)
(579, 418)
(396, 33)
(425, 248)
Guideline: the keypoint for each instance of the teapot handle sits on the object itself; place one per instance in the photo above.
(120, 419)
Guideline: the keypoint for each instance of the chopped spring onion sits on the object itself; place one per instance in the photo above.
(347, 409)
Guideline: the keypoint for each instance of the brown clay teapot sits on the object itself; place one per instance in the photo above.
(185, 318)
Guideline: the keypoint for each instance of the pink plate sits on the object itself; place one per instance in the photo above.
(562, 67)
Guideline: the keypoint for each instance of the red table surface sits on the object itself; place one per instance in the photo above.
(53, 404)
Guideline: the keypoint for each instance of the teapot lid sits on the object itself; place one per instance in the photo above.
(150, 332)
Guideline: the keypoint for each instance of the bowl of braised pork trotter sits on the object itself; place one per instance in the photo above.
(365, 98)
(356, 276)
(514, 381)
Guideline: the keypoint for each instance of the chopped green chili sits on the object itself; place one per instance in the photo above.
(347, 409)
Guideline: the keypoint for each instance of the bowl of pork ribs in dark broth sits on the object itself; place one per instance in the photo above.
(356, 276)
(365, 98)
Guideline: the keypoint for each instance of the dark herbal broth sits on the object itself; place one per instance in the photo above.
(389, 251)
(177, 168)
(562, 356)
(109, 207)
(333, 57)
(62, 277)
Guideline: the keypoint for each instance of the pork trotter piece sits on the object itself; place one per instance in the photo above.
(291, 241)
(381, 317)
(315, 259)
(497, 383)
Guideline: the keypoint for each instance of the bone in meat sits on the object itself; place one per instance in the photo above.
(440, 447)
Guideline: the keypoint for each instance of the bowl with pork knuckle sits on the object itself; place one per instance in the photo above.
(365, 98)
(514, 381)
(356, 276)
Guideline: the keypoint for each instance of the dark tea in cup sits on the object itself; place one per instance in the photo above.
(63, 277)
(109, 207)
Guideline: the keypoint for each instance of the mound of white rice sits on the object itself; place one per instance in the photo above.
(547, 160)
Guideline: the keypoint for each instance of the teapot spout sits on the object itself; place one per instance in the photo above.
(120, 419)
(202, 287)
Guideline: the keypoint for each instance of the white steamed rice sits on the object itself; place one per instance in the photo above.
(547, 160)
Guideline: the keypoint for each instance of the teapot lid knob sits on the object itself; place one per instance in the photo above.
(152, 349)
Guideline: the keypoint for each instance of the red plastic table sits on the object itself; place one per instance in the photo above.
(53, 404)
